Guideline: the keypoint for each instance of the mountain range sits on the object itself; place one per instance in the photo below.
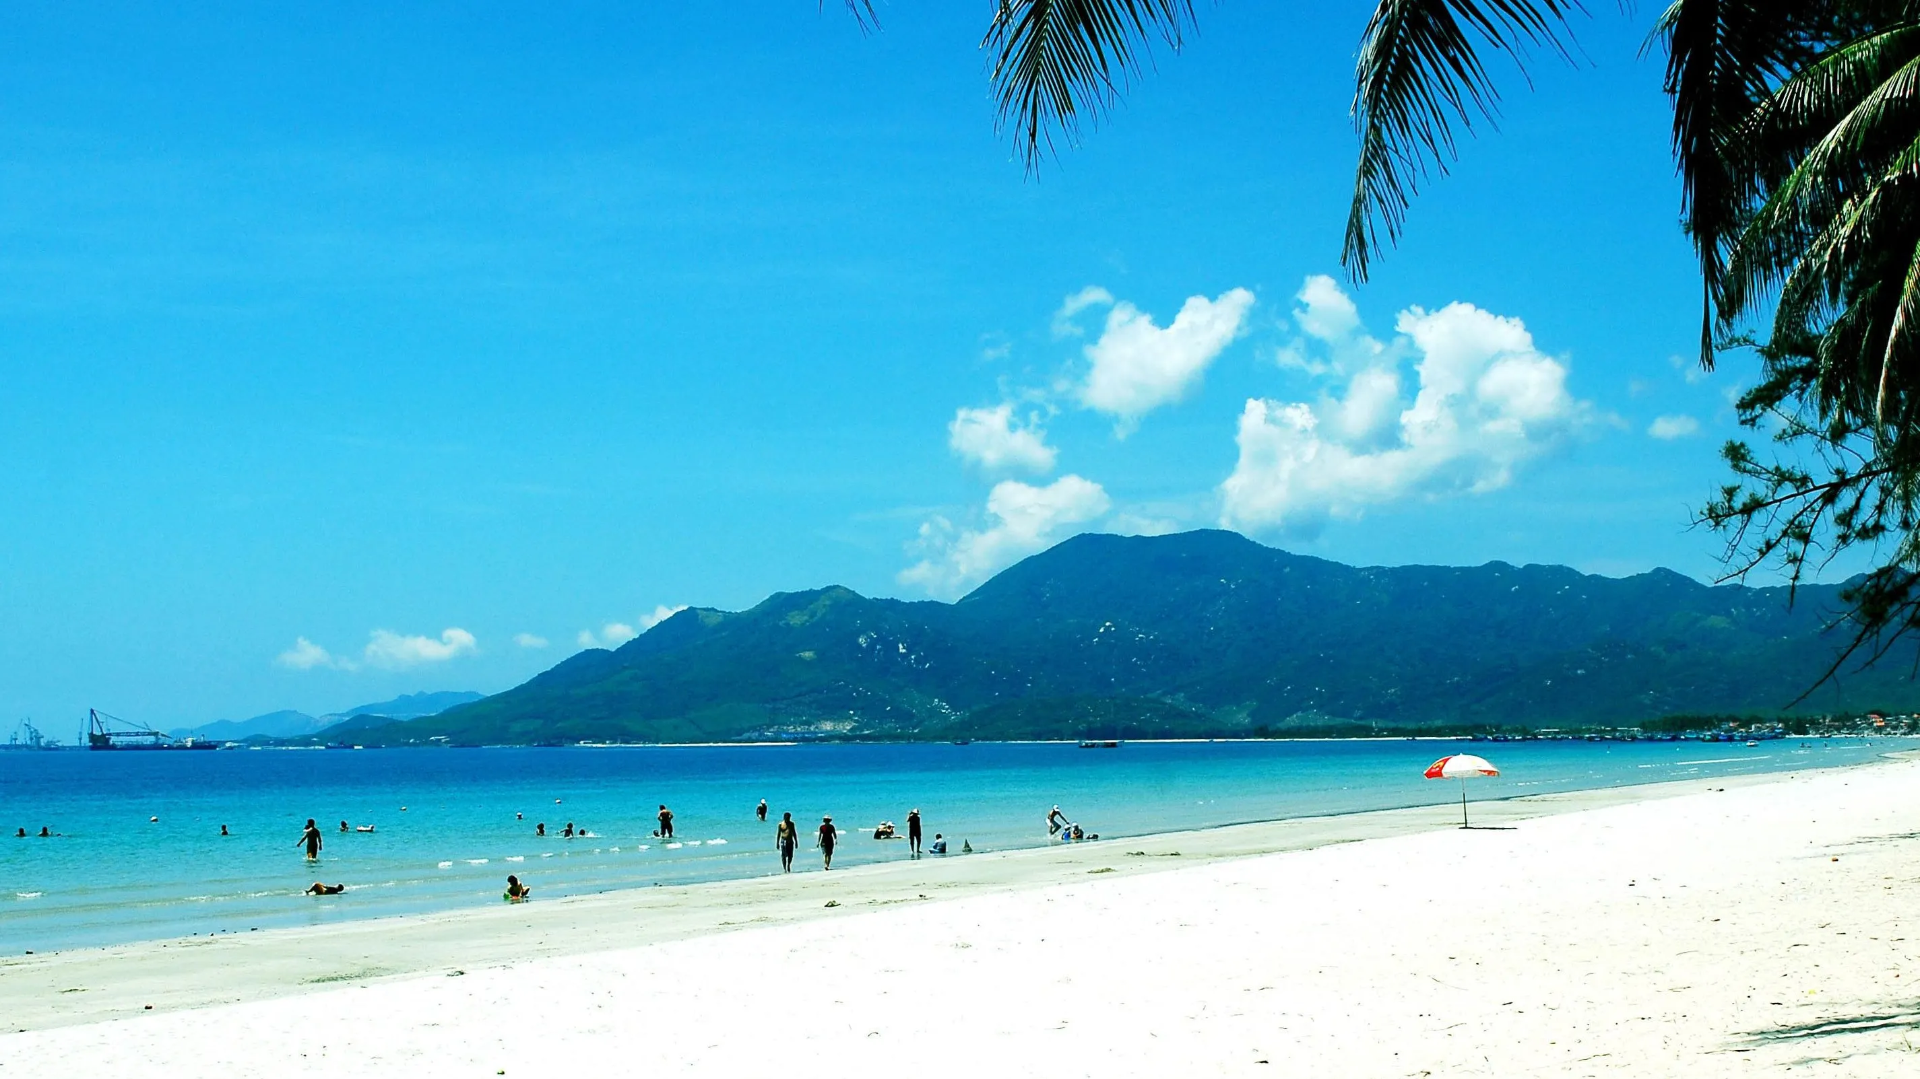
(291, 724)
(1198, 634)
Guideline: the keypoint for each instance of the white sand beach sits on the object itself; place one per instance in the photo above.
(1738, 927)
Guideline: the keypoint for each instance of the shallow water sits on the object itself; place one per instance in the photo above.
(452, 823)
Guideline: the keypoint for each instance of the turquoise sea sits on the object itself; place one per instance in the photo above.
(450, 824)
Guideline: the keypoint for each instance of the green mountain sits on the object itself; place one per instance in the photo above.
(1204, 633)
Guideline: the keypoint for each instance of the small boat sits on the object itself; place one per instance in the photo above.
(1099, 745)
(1751, 743)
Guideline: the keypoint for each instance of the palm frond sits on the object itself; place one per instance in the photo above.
(1418, 75)
(1059, 61)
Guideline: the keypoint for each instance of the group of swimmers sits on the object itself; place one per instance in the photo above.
(1059, 827)
(45, 833)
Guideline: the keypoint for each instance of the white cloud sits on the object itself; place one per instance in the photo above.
(990, 438)
(611, 635)
(658, 615)
(1137, 366)
(1668, 428)
(615, 634)
(529, 640)
(1025, 518)
(392, 651)
(1487, 401)
(305, 656)
(1091, 296)
(1690, 370)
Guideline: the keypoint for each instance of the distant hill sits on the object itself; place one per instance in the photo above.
(292, 724)
(1199, 634)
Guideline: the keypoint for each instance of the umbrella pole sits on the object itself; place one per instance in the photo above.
(1463, 802)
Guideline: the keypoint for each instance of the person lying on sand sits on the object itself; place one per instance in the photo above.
(317, 888)
(516, 891)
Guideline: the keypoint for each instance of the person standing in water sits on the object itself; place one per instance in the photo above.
(913, 832)
(828, 836)
(762, 811)
(311, 837)
(786, 837)
(666, 823)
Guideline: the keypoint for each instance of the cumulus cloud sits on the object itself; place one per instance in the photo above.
(1091, 296)
(1668, 428)
(1487, 400)
(1025, 519)
(393, 651)
(658, 615)
(305, 656)
(1138, 366)
(611, 635)
(994, 440)
(529, 640)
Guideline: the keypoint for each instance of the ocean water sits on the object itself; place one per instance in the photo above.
(450, 824)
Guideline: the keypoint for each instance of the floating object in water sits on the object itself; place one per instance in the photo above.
(153, 820)
(364, 828)
(446, 865)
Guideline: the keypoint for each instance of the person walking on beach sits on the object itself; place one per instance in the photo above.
(786, 837)
(666, 823)
(828, 836)
(311, 837)
(762, 811)
(913, 832)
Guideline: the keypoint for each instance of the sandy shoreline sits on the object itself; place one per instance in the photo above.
(1353, 941)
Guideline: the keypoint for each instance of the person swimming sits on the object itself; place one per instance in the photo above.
(223, 830)
(516, 891)
(343, 827)
(310, 837)
(762, 811)
(44, 833)
(568, 833)
(20, 833)
(786, 837)
(540, 829)
(885, 831)
(828, 835)
(317, 888)
(939, 845)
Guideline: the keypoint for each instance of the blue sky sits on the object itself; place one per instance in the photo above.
(343, 347)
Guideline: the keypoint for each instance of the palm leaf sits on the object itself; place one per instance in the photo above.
(1057, 61)
(1418, 75)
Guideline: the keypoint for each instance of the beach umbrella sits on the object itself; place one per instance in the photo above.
(1459, 766)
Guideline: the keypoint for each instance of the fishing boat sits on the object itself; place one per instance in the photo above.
(112, 732)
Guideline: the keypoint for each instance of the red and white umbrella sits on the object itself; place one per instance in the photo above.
(1460, 766)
